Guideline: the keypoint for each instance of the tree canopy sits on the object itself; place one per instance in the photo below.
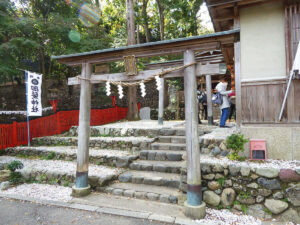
(33, 30)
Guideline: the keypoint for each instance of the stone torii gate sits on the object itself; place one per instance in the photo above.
(194, 207)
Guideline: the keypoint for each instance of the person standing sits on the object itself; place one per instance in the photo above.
(222, 89)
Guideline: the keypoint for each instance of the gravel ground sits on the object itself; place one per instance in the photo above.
(71, 150)
(225, 217)
(61, 166)
(41, 191)
(270, 163)
(143, 124)
(220, 133)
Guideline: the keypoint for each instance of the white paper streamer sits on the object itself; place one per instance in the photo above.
(143, 89)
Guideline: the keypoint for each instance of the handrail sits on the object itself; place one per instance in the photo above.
(296, 67)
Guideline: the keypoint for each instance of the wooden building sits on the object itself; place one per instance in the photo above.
(262, 62)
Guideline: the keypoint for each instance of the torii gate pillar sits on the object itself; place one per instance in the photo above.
(82, 187)
(193, 207)
(161, 102)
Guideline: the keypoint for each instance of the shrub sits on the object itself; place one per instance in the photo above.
(236, 143)
(15, 177)
(14, 165)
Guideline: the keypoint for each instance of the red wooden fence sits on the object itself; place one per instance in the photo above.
(16, 133)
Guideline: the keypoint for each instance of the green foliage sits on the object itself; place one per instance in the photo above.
(42, 178)
(220, 207)
(236, 143)
(221, 181)
(268, 211)
(244, 208)
(14, 165)
(32, 32)
(15, 177)
(236, 202)
(178, 83)
(244, 195)
(49, 156)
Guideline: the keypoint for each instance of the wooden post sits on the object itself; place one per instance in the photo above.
(194, 207)
(82, 186)
(238, 85)
(209, 103)
(161, 102)
(237, 71)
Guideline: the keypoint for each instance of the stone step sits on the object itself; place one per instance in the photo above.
(61, 172)
(68, 153)
(142, 191)
(119, 143)
(168, 146)
(162, 155)
(151, 178)
(158, 166)
(172, 139)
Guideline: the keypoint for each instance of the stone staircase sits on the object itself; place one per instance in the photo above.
(138, 163)
(156, 174)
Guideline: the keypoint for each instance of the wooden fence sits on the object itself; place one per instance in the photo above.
(15, 134)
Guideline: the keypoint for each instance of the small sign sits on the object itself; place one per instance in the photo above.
(34, 91)
(130, 65)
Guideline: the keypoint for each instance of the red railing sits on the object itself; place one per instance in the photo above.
(15, 134)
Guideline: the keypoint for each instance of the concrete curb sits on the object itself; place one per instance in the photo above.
(107, 210)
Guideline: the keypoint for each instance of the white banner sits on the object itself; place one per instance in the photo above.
(34, 91)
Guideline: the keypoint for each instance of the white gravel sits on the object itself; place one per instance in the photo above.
(220, 133)
(106, 139)
(71, 150)
(142, 124)
(225, 217)
(41, 191)
(270, 163)
(60, 167)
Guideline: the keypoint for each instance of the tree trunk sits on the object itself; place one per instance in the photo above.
(161, 20)
(132, 113)
(145, 18)
(138, 41)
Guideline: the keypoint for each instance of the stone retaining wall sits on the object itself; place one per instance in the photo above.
(111, 160)
(134, 145)
(261, 192)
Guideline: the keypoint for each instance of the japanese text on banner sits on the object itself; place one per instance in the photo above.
(34, 104)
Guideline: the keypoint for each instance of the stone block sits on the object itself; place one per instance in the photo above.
(245, 171)
(289, 175)
(140, 194)
(293, 195)
(234, 170)
(4, 185)
(129, 193)
(290, 215)
(211, 198)
(118, 191)
(272, 184)
(228, 197)
(213, 185)
(276, 206)
(145, 113)
(164, 198)
(267, 172)
(152, 196)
